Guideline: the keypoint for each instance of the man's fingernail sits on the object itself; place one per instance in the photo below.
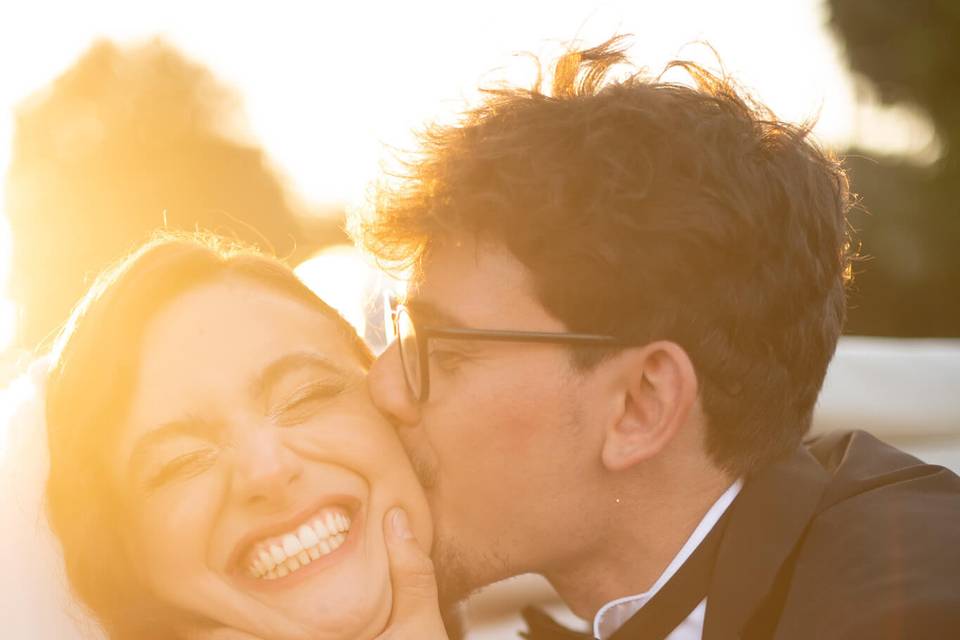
(400, 524)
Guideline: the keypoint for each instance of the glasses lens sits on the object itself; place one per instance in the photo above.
(409, 352)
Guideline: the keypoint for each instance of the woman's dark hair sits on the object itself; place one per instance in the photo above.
(91, 382)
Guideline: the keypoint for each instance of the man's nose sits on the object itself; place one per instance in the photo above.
(389, 389)
(265, 469)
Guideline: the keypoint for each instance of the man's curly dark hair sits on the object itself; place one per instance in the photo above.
(652, 210)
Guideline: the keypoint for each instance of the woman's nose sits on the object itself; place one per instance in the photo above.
(266, 469)
(389, 390)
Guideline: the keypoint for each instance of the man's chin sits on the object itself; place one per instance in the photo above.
(454, 581)
(459, 574)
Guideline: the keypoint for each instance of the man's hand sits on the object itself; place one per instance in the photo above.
(416, 612)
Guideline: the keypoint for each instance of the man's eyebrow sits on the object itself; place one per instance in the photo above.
(431, 315)
(276, 370)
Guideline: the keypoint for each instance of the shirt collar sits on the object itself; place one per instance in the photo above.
(615, 613)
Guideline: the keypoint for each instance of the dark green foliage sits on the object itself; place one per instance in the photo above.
(910, 283)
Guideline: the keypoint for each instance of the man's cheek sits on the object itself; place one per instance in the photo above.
(426, 469)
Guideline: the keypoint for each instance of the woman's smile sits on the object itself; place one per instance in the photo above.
(283, 554)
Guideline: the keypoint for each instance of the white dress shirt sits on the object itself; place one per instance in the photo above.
(615, 614)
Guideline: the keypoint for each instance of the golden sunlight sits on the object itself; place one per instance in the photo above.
(345, 281)
(325, 123)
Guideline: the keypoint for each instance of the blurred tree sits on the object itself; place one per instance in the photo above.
(126, 141)
(910, 53)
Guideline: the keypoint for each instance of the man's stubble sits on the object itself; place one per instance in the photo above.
(456, 570)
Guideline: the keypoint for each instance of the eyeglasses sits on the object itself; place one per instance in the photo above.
(413, 341)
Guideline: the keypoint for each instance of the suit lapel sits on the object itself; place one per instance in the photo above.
(767, 520)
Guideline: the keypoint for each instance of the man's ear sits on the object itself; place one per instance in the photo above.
(658, 388)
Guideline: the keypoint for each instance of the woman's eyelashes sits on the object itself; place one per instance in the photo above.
(305, 402)
(182, 467)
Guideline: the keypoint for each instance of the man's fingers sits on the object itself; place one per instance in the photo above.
(416, 612)
(411, 571)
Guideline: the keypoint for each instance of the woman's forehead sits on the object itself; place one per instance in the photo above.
(224, 348)
(234, 314)
(223, 335)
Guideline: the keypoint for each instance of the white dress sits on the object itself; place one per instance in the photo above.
(35, 602)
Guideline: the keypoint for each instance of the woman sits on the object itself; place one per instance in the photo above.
(216, 467)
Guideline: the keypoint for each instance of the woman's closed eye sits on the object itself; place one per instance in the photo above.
(183, 466)
(306, 401)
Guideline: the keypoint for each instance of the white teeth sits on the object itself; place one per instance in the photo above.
(292, 551)
(308, 538)
(321, 529)
(266, 560)
(291, 545)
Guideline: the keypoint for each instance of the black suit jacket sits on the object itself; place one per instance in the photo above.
(845, 538)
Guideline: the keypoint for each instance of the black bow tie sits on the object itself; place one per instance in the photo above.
(663, 613)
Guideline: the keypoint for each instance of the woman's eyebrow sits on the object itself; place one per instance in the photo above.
(286, 364)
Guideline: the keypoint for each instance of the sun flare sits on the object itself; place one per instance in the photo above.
(348, 283)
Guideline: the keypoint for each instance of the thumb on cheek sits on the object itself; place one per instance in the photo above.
(411, 570)
(399, 525)
(416, 611)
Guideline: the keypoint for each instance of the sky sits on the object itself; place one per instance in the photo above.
(329, 87)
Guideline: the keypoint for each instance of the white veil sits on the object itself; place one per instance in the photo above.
(35, 601)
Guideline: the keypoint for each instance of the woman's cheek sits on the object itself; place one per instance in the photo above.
(394, 482)
(174, 526)
(367, 444)
(347, 440)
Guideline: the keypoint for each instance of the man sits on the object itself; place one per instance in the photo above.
(625, 295)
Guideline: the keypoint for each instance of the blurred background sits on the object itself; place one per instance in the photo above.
(268, 121)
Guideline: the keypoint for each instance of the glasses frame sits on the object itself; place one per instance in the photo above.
(425, 333)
